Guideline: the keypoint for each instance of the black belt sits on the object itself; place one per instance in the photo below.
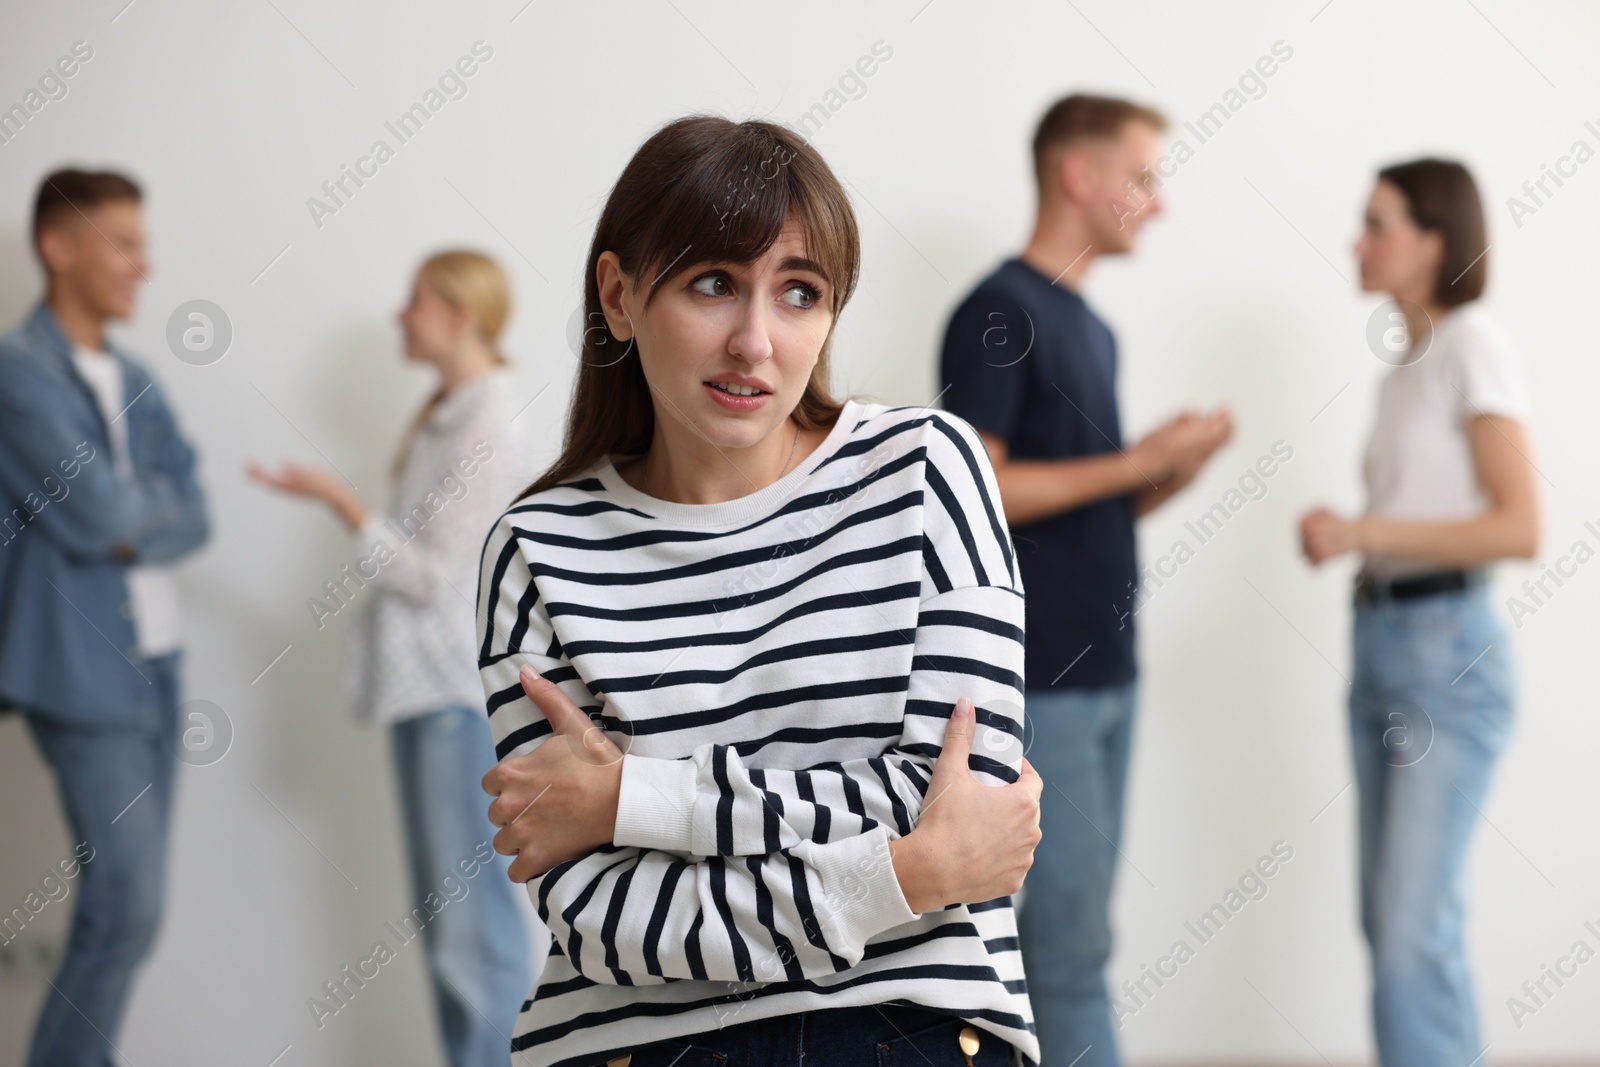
(1371, 590)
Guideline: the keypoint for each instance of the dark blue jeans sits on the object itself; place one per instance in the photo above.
(877, 1035)
(116, 787)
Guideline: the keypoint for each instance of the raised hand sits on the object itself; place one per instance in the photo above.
(298, 479)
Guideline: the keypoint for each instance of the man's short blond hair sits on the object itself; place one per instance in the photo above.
(1084, 117)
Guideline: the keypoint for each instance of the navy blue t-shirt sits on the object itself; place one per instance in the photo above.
(1028, 361)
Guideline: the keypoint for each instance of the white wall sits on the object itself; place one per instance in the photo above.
(233, 115)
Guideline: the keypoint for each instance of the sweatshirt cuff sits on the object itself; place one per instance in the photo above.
(655, 805)
(862, 895)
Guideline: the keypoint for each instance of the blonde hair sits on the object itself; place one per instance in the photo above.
(1084, 117)
(466, 281)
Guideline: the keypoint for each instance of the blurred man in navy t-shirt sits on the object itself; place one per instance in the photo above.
(1033, 368)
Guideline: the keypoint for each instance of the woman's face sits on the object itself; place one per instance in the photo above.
(429, 324)
(760, 324)
(1396, 255)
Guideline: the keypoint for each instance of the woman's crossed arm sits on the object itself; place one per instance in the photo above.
(629, 916)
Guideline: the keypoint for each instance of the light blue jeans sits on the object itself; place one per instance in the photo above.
(1080, 741)
(116, 786)
(1430, 710)
(477, 943)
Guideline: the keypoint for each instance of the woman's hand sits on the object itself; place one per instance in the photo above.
(1324, 535)
(316, 483)
(973, 842)
(558, 802)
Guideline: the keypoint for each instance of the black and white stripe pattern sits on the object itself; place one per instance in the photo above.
(779, 670)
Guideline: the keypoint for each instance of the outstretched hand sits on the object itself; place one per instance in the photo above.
(1177, 449)
(298, 479)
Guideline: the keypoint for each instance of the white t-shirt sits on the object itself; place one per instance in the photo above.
(1418, 463)
(152, 587)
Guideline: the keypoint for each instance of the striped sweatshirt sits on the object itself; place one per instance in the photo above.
(779, 670)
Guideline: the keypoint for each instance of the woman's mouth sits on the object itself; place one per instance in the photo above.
(736, 397)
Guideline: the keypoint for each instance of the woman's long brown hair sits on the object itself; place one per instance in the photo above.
(701, 189)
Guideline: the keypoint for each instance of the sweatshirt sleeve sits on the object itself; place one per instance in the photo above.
(969, 642)
(626, 915)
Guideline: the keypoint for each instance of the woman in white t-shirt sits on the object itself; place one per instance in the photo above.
(1451, 488)
(410, 582)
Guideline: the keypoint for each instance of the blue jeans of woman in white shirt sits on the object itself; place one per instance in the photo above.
(477, 941)
(1430, 710)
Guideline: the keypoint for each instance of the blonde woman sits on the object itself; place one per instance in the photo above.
(416, 664)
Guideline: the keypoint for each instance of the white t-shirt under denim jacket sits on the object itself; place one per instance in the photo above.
(152, 587)
(1418, 464)
(414, 577)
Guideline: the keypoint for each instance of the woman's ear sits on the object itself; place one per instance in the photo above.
(463, 321)
(1431, 247)
(612, 283)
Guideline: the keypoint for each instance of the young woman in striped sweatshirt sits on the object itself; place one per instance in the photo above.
(753, 660)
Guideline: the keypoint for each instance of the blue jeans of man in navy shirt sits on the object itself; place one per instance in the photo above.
(1028, 361)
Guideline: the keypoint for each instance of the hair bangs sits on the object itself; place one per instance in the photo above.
(731, 206)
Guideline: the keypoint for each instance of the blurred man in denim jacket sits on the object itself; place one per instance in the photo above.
(99, 499)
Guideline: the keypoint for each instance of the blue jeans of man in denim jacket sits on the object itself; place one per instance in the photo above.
(104, 716)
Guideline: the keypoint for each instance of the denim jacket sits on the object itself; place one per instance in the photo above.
(67, 640)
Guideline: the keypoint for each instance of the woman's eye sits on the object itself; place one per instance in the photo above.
(808, 295)
(708, 284)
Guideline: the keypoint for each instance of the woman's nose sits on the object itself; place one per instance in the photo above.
(752, 340)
